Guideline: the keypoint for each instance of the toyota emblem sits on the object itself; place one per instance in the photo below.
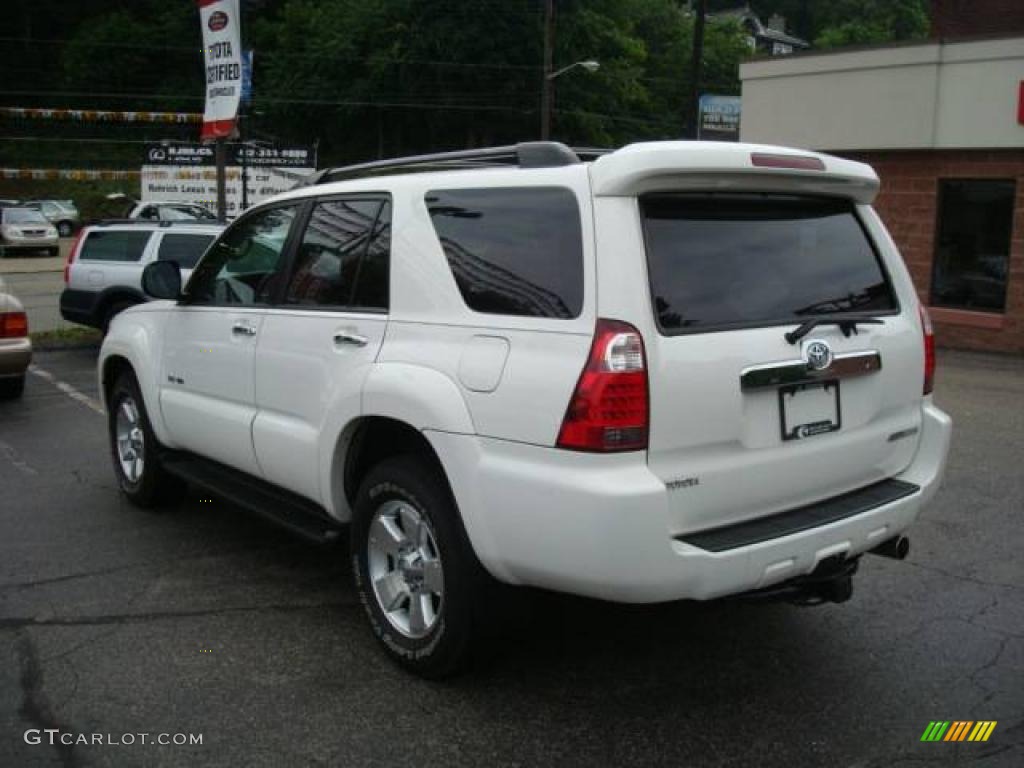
(817, 355)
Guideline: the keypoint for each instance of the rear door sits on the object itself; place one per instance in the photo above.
(318, 342)
(745, 422)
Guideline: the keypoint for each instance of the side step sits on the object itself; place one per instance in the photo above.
(300, 516)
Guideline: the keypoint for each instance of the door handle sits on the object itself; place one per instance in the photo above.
(344, 337)
(243, 329)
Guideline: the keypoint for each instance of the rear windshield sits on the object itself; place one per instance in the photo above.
(184, 249)
(114, 246)
(731, 261)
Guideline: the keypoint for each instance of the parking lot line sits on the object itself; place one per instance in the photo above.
(67, 389)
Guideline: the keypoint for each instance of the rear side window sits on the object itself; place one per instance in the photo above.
(114, 246)
(732, 261)
(184, 249)
(516, 251)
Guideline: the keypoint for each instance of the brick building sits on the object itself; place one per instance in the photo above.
(942, 122)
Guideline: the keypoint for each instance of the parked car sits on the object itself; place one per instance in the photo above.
(171, 211)
(25, 229)
(678, 370)
(61, 213)
(103, 272)
(15, 345)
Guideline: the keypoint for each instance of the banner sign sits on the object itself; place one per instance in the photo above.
(247, 77)
(186, 173)
(185, 154)
(719, 118)
(222, 50)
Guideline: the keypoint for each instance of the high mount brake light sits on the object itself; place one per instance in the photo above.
(609, 409)
(797, 162)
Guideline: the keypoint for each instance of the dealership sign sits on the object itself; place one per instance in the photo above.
(719, 117)
(222, 51)
(186, 173)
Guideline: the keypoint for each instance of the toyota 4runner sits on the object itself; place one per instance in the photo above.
(675, 370)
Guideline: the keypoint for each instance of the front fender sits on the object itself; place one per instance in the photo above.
(137, 336)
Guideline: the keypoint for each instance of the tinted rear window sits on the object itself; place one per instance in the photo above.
(184, 249)
(727, 261)
(114, 246)
(515, 251)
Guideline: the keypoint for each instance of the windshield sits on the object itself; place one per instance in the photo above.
(23, 216)
(722, 261)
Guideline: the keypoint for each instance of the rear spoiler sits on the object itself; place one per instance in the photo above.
(718, 166)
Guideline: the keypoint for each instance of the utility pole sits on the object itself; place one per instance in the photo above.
(546, 84)
(220, 150)
(696, 67)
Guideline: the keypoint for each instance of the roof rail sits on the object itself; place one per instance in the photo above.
(526, 154)
(155, 222)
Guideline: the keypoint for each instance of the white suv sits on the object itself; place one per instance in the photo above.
(679, 370)
(103, 272)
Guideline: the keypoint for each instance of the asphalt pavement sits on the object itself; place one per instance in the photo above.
(203, 620)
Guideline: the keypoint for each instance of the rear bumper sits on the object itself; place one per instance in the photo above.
(15, 356)
(80, 307)
(599, 525)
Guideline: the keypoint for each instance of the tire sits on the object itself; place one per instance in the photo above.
(112, 311)
(65, 228)
(11, 389)
(396, 563)
(140, 476)
(52, 252)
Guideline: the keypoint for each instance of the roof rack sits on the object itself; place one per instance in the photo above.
(526, 154)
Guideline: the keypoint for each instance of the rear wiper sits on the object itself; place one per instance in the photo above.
(847, 324)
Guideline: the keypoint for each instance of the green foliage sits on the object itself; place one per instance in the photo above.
(367, 78)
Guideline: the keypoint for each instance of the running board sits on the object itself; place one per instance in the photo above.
(289, 510)
(800, 519)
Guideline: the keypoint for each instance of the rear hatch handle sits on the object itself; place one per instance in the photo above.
(847, 324)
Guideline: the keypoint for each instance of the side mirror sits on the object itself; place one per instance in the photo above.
(162, 280)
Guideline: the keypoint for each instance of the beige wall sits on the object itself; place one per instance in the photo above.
(931, 96)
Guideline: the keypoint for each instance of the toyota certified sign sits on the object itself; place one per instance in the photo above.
(222, 51)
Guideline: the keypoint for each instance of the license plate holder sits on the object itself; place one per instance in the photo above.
(809, 409)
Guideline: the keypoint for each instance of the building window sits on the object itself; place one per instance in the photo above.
(972, 253)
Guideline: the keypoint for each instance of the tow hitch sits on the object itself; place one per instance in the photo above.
(830, 582)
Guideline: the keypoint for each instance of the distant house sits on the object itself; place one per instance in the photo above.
(770, 38)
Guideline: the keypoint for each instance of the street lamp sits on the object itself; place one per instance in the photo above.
(548, 91)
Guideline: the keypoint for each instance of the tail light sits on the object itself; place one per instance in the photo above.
(609, 408)
(929, 351)
(72, 254)
(13, 325)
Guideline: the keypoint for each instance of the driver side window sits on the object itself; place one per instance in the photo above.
(245, 265)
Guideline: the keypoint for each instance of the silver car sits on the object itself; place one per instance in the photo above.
(61, 213)
(26, 229)
(15, 346)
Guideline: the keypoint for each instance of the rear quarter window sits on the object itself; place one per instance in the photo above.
(184, 249)
(513, 251)
(114, 246)
(718, 262)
